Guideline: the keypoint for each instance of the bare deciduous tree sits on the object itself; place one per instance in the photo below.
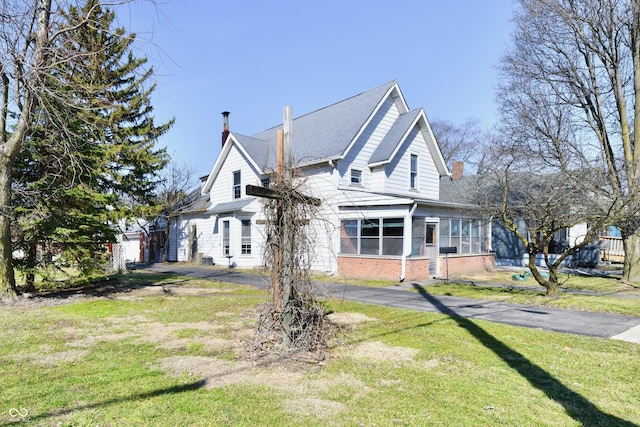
(174, 188)
(535, 205)
(24, 40)
(459, 142)
(570, 97)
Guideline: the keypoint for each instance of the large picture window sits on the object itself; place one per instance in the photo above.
(349, 237)
(469, 236)
(376, 236)
(392, 236)
(370, 237)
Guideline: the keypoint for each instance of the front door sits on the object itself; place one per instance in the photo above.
(431, 247)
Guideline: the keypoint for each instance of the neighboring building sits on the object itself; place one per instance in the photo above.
(376, 167)
(508, 249)
(130, 245)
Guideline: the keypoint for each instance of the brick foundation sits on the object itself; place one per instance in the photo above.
(466, 264)
(374, 267)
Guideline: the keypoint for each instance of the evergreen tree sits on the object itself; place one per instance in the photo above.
(90, 157)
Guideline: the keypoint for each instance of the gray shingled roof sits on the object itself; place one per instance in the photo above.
(463, 190)
(263, 152)
(322, 134)
(194, 202)
(392, 138)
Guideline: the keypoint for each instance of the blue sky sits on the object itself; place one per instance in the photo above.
(253, 57)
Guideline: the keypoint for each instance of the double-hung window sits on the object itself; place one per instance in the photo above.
(413, 178)
(356, 177)
(225, 238)
(237, 186)
(246, 237)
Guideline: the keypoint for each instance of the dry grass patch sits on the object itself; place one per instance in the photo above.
(56, 358)
(313, 407)
(377, 351)
(172, 290)
(349, 318)
(306, 393)
(215, 372)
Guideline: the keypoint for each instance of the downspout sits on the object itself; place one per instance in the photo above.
(404, 254)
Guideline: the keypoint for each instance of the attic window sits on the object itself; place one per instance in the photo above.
(356, 177)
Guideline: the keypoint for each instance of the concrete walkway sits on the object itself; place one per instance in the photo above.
(603, 325)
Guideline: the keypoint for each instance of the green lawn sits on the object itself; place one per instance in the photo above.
(174, 354)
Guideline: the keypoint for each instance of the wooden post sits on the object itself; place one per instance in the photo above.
(278, 256)
(285, 234)
(287, 197)
(280, 157)
(287, 126)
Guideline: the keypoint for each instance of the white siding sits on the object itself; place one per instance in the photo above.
(130, 248)
(235, 242)
(204, 232)
(362, 150)
(397, 172)
(322, 183)
(222, 188)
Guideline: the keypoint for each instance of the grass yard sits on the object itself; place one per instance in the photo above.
(171, 351)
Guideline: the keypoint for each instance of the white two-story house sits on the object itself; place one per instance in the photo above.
(376, 167)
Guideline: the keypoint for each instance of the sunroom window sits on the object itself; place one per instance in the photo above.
(372, 236)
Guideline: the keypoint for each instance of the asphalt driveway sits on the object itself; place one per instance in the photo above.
(603, 325)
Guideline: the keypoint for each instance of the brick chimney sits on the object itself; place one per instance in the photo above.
(225, 131)
(457, 170)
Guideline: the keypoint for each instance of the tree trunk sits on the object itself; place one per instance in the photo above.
(631, 270)
(551, 285)
(7, 278)
(553, 289)
(31, 262)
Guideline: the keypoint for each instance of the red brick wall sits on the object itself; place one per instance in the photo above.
(373, 267)
(418, 268)
(466, 264)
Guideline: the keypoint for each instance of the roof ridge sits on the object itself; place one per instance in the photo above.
(389, 84)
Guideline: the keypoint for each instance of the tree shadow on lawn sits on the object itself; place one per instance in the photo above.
(576, 406)
(102, 288)
(140, 396)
